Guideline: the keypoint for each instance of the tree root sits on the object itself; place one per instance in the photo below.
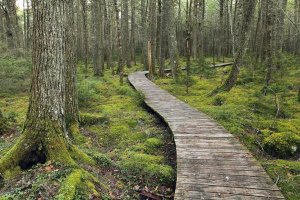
(34, 147)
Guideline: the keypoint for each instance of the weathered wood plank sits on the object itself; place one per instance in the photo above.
(211, 162)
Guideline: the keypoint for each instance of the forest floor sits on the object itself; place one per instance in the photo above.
(250, 115)
(133, 149)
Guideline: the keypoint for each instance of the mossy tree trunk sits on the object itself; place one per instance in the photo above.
(44, 136)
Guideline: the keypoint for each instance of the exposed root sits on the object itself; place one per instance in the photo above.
(79, 181)
(33, 147)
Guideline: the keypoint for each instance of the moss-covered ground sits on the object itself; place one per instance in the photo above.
(123, 150)
(250, 115)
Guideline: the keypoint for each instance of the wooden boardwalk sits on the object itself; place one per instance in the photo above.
(211, 163)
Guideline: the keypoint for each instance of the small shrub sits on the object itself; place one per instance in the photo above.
(139, 97)
(11, 116)
(87, 92)
(126, 90)
(219, 100)
(282, 145)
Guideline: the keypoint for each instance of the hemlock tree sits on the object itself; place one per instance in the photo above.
(45, 135)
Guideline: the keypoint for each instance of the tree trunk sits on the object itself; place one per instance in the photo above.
(108, 40)
(133, 30)
(270, 41)
(44, 136)
(159, 32)
(144, 33)
(125, 33)
(13, 32)
(152, 34)
(97, 38)
(119, 42)
(85, 33)
(72, 111)
(171, 29)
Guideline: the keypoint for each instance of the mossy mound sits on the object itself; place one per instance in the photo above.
(282, 145)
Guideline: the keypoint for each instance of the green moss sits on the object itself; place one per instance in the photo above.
(153, 143)
(282, 145)
(150, 166)
(88, 119)
(80, 156)
(69, 186)
(11, 173)
(77, 137)
(286, 173)
(102, 160)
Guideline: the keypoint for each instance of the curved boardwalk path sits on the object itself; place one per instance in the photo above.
(211, 163)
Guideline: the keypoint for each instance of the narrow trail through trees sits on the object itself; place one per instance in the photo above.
(211, 163)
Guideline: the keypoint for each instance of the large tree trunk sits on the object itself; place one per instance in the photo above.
(44, 136)
(245, 11)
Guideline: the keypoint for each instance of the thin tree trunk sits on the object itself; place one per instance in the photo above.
(85, 33)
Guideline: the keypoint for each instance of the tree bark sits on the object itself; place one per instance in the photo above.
(97, 38)
(85, 45)
(133, 31)
(108, 41)
(44, 136)
(144, 33)
(71, 102)
(270, 39)
(13, 32)
(171, 29)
